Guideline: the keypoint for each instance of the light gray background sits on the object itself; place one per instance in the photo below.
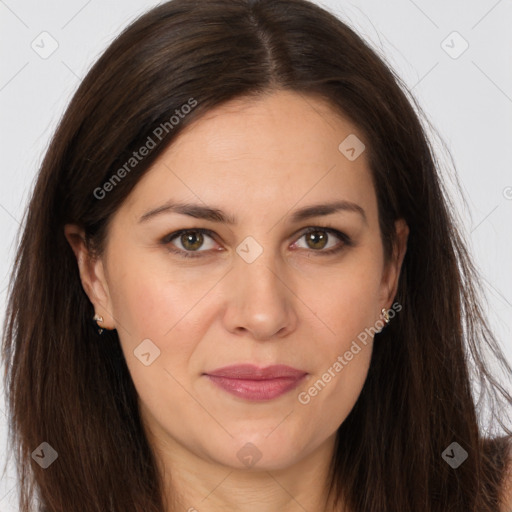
(468, 99)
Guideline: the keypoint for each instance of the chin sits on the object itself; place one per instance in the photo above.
(255, 452)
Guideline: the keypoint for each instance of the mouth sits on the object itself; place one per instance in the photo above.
(256, 384)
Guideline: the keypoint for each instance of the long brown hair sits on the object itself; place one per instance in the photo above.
(72, 389)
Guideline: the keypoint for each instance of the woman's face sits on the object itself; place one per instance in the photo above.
(253, 289)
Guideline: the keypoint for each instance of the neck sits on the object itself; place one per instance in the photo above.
(193, 483)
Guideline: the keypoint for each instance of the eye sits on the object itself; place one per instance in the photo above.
(321, 240)
(189, 241)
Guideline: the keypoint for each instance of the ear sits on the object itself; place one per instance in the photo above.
(392, 271)
(92, 275)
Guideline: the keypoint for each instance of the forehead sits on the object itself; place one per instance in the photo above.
(299, 127)
(276, 150)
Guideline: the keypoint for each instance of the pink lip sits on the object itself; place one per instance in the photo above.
(257, 384)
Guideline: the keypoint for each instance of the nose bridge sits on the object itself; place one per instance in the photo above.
(257, 270)
(259, 301)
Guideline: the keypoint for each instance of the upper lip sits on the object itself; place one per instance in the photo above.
(252, 372)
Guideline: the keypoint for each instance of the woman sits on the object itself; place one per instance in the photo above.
(240, 286)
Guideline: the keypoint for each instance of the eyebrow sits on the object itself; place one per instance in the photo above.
(217, 215)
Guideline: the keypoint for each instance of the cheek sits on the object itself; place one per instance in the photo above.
(349, 299)
(154, 305)
(152, 316)
(150, 297)
(332, 394)
(342, 358)
(348, 304)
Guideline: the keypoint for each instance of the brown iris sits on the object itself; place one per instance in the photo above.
(192, 241)
(316, 237)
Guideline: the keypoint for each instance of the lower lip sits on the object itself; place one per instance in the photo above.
(257, 390)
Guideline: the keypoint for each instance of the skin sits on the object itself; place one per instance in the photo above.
(258, 161)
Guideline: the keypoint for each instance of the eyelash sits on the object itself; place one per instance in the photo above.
(345, 239)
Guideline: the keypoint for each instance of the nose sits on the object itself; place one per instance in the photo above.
(260, 299)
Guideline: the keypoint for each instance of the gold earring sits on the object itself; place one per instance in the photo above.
(385, 315)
